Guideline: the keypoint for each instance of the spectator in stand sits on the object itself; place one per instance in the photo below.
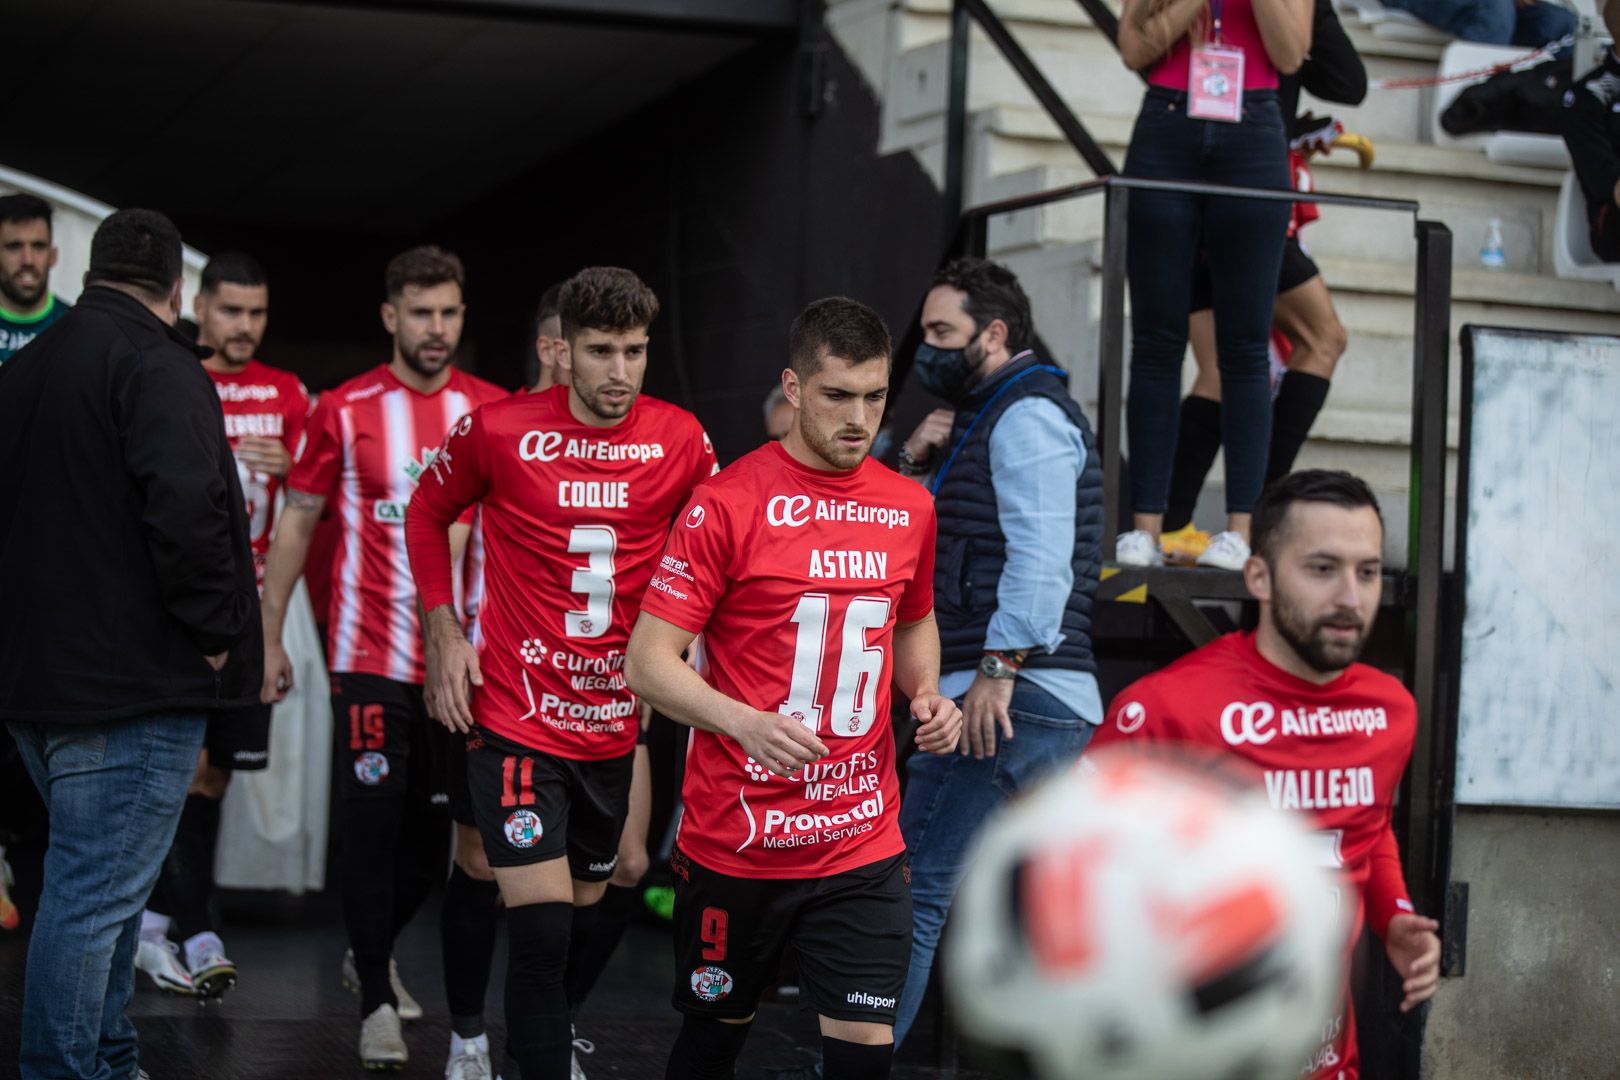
(1592, 132)
(1530, 23)
(1312, 337)
(1211, 115)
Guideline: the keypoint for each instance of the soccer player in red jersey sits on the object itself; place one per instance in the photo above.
(368, 444)
(577, 486)
(808, 568)
(1330, 735)
(265, 410)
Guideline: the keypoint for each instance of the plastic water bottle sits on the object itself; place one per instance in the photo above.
(1491, 256)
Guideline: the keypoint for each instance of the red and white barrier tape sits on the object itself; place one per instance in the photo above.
(1549, 49)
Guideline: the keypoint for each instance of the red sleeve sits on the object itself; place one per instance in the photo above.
(707, 464)
(918, 599)
(320, 457)
(1135, 715)
(697, 565)
(448, 491)
(295, 414)
(469, 516)
(1386, 895)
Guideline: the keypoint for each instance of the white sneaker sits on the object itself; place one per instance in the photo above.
(471, 1064)
(409, 1009)
(1226, 551)
(1137, 548)
(212, 973)
(581, 1046)
(382, 1042)
(160, 959)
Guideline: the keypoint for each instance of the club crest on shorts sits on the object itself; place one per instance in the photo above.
(370, 768)
(523, 829)
(712, 983)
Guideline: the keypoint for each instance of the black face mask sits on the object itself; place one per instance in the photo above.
(945, 373)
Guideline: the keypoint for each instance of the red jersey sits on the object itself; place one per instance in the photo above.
(574, 518)
(1335, 752)
(368, 443)
(269, 403)
(796, 578)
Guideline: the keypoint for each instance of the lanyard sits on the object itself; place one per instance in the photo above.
(939, 477)
(1215, 8)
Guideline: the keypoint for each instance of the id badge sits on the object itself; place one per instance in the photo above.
(1215, 84)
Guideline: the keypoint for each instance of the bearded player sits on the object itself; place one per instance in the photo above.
(809, 570)
(1332, 736)
(577, 486)
(369, 443)
(265, 411)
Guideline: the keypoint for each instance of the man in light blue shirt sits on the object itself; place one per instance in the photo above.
(1019, 493)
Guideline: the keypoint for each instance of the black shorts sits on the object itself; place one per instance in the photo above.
(238, 740)
(532, 807)
(1297, 268)
(461, 807)
(386, 742)
(852, 933)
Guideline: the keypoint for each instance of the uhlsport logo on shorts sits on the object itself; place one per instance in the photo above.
(523, 829)
(712, 983)
(370, 768)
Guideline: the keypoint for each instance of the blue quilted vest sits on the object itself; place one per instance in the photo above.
(972, 550)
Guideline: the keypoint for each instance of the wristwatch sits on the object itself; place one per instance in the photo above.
(1000, 665)
(909, 465)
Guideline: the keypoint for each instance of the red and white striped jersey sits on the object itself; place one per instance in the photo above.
(367, 444)
(268, 403)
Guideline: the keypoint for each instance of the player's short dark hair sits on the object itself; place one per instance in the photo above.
(1268, 528)
(139, 248)
(424, 267)
(605, 298)
(837, 326)
(232, 268)
(23, 207)
(993, 292)
(548, 308)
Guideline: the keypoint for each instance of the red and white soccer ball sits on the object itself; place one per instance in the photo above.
(1147, 916)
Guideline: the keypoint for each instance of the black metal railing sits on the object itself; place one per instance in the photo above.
(1426, 801)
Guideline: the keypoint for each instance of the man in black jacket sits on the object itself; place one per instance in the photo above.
(124, 559)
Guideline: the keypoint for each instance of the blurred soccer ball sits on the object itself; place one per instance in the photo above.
(1147, 917)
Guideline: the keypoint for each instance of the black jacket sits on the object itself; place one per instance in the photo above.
(124, 555)
(1332, 70)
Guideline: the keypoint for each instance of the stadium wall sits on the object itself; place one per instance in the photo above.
(1539, 998)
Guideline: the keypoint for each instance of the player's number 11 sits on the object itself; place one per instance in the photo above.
(860, 665)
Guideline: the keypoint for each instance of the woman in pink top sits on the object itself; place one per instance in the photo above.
(1210, 115)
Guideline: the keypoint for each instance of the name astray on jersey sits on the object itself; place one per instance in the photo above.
(797, 580)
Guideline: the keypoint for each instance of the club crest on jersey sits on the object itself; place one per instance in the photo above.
(711, 983)
(415, 469)
(370, 768)
(523, 829)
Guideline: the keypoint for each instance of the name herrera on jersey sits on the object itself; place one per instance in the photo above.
(849, 565)
(551, 445)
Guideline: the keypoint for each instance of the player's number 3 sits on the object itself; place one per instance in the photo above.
(860, 666)
(599, 543)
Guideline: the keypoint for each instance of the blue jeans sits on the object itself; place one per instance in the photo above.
(1243, 239)
(114, 792)
(1493, 22)
(949, 796)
